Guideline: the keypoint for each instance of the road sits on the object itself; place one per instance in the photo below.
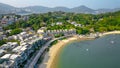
(34, 61)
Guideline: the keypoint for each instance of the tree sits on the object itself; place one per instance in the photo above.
(85, 31)
(2, 42)
(102, 29)
(15, 31)
(78, 30)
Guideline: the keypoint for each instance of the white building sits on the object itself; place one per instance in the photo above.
(19, 53)
(6, 56)
(2, 52)
(75, 24)
(59, 23)
(9, 45)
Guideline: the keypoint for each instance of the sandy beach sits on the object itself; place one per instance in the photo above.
(54, 50)
(112, 32)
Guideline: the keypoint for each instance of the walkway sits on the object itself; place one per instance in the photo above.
(34, 61)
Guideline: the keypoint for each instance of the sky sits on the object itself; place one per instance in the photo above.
(94, 4)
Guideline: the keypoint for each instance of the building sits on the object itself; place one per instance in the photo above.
(9, 45)
(1, 29)
(9, 61)
(51, 33)
(10, 19)
(75, 24)
(1, 37)
(15, 55)
(2, 52)
(59, 23)
(41, 30)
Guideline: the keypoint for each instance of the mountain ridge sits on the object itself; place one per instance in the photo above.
(5, 9)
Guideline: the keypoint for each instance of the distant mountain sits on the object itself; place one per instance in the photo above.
(64, 9)
(5, 6)
(5, 9)
(116, 9)
(104, 10)
(82, 9)
(37, 9)
(40, 9)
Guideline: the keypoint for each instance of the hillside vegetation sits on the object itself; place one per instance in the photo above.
(89, 22)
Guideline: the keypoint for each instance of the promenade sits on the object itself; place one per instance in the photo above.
(34, 59)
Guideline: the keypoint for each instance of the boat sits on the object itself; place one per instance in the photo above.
(112, 42)
(87, 49)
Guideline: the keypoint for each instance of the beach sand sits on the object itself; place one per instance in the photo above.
(54, 50)
(112, 32)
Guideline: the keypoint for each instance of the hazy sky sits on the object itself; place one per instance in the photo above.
(95, 4)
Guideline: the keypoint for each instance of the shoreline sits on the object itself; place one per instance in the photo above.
(54, 51)
(108, 33)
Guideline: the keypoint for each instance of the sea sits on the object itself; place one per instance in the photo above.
(103, 52)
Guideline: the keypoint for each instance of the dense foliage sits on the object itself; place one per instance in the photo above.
(54, 42)
(2, 42)
(15, 31)
(92, 23)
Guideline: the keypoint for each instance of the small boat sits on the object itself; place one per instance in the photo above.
(87, 49)
(112, 42)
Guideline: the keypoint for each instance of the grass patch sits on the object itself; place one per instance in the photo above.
(63, 38)
(54, 42)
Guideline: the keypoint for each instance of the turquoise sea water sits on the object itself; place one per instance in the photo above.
(103, 52)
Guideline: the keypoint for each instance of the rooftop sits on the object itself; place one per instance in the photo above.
(6, 56)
